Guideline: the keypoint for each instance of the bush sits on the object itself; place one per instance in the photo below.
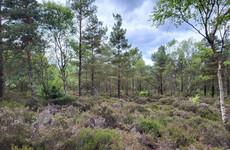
(144, 93)
(64, 100)
(177, 136)
(24, 147)
(11, 104)
(128, 120)
(209, 114)
(100, 139)
(52, 93)
(148, 126)
(108, 114)
(166, 101)
(194, 100)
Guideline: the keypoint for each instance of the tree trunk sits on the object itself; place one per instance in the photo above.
(110, 90)
(132, 86)
(189, 84)
(92, 74)
(205, 88)
(86, 82)
(228, 82)
(119, 75)
(181, 83)
(213, 87)
(80, 58)
(161, 83)
(221, 90)
(1, 59)
(30, 72)
(65, 86)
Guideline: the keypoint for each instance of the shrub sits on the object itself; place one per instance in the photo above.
(209, 114)
(177, 136)
(144, 93)
(153, 106)
(128, 120)
(100, 139)
(24, 147)
(52, 93)
(11, 104)
(148, 126)
(107, 113)
(214, 134)
(227, 126)
(194, 100)
(64, 100)
(166, 101)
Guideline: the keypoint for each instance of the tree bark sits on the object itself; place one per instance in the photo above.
(221, 90)
(80, 57)
(119, 75)
(133, 85)
(161, 83)
(181, 83)
(189, 84)
(110, 90)
(92, 74)
(228, 82)
(86, 82)
(205, 88)
(1, 59)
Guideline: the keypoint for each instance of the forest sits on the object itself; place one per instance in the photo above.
(67, 82)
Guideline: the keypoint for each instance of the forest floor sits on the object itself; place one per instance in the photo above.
(137, 123)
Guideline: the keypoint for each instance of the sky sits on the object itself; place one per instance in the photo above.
(140, 31)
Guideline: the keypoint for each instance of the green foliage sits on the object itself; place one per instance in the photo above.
(148, 126)
(100, 139)
(144, 93)
(128, 119)
(194, 100)
(24, 147)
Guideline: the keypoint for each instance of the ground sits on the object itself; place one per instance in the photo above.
(103, 123)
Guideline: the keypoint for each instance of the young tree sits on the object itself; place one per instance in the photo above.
(120, 43)
(207, 17)
(93, 36)
(83, 10)
(160, 58)
(58, 21)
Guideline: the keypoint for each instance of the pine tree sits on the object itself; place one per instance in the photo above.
(160, 58)
(120, 43)
(24, 15)
(93, 36)
(83, 10)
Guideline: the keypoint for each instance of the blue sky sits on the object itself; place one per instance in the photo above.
(140, 32)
